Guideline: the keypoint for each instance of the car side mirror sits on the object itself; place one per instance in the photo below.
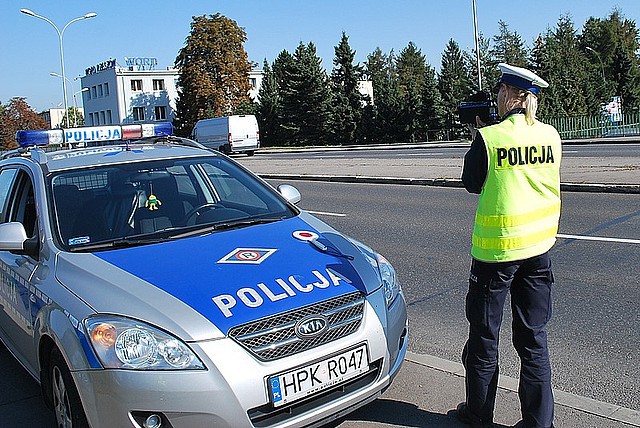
(290, 193)
(12, 236)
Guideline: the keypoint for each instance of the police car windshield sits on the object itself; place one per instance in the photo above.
(116, 202)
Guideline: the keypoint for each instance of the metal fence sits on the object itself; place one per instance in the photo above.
(596, 126)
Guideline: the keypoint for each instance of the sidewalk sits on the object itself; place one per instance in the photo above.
(578, 174)
(428, 388)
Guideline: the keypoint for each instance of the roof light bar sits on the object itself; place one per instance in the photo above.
(57, 137)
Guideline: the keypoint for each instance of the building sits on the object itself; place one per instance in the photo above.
(55, 116)
(134, 93)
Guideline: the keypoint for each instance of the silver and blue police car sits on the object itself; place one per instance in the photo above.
(150, 282)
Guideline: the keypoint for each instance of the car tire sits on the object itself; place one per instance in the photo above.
(250, 152)
(67, 407)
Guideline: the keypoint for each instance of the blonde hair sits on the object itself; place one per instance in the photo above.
(519, 98)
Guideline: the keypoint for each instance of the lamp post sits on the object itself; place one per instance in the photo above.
(60, 34)
(590, 49)
(53, 74)
(75, 106)
(475, 34)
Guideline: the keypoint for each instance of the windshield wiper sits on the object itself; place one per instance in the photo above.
(208, 228)
(120, 243)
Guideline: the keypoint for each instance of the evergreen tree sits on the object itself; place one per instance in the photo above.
(384, 114)
(508, 47)
(454, 84)
(269, 107)
(432, 114)
(283, 66)
(489, 72)
(411, 67)
(627, 79)
(567, 75)
(214, 71)
(306, 99)
(347, 100)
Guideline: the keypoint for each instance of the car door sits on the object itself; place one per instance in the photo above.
(16, 270)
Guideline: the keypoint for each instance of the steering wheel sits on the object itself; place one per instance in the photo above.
(197, 211)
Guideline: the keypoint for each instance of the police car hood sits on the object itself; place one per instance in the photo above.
(226, 278)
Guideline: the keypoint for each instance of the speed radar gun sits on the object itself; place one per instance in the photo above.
(479, 104)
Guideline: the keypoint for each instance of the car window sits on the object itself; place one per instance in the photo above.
(138, 199)
(22, 204)
(231, 189)
(6, 180)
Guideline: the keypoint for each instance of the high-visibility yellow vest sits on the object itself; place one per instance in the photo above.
(519, 206)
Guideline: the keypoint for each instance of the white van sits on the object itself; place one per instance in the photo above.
(229, 134)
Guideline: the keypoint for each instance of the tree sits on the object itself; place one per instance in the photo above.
(566, 71)
(611, 45)
(382, 117)
(268, 107)
(411, 68)
(214, 71)
(508, 47)
(306, 99)
(17, 115)
(432, 114)
(489, 72)
(76, 118)
(453, 82)
(627, 78)
(347, 100)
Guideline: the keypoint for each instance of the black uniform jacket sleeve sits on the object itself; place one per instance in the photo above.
(474, 172)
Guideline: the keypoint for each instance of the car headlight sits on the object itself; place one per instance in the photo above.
(130, 344)
(390, 283)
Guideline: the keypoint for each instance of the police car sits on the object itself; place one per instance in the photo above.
(150, 282)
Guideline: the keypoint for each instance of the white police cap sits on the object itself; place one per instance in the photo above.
(521, 78)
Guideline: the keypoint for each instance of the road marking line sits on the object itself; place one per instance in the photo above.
(577, 402)
(599, 238)
(325, 213)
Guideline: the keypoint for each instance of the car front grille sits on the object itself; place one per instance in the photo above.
(274, 337)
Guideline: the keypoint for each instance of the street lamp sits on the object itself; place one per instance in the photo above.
(60, 34)
(75, 106)
(589, 48)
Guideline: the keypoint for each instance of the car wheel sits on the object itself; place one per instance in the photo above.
(67, 407)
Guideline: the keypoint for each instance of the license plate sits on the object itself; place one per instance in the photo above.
(304, 381)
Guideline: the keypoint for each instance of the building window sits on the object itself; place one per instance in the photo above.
(103, 119)
(161, 113)
(94, 92)
(158, 85)
(106, 89)
(138, 114)
(88, 93)
(109, 118)
(136, 85)
(253, 82)
(100, 90)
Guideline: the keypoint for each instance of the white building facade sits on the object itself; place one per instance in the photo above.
(131, 94)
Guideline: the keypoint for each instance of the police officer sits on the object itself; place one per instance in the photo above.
(514, 166)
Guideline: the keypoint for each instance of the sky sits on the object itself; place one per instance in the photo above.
(157, 29)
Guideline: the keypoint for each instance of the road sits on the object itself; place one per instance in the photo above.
(425, 233)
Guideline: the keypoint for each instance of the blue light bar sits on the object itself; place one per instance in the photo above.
(90, 134)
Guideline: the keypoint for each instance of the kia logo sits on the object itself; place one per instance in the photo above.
(311, 326)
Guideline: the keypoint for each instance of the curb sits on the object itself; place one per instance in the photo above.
(445, 182)
(584, 404)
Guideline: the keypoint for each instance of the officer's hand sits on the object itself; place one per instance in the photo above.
(479, 122)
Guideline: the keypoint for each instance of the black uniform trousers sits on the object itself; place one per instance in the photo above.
(529, 282)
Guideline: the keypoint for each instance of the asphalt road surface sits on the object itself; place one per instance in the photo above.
(425, 232)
